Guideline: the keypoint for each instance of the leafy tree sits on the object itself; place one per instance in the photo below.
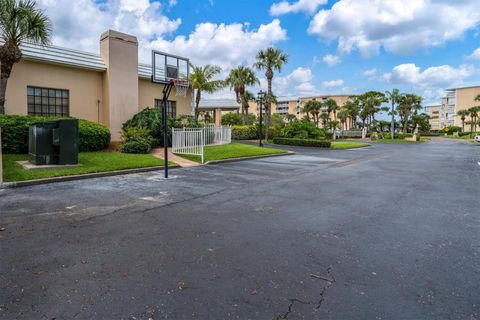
(394, 97)
(303, 129)
(19, 21)
(232, 119)
(270, 60)
(290, 117)
(238, 80)
(463, 114)
(332, 107)
(408, 106)
(343, 117)
(314, 108)
(201, 79)
(325, 118)
(370, 103)
(421, 121)
(353, 108)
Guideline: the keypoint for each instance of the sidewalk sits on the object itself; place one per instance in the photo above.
(184, 163)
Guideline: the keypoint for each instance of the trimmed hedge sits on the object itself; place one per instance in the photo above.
(244, 132)
(303, 142)
(92, 136)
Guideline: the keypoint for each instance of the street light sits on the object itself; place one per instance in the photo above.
(260, 97)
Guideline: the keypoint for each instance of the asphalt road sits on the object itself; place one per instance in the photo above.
(386, 232)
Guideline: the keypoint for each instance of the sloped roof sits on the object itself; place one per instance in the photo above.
(63, 56)
(219, 103)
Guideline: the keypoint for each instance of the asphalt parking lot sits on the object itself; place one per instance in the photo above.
(385, 232)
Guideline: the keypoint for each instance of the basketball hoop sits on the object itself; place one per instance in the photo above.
(181, 87)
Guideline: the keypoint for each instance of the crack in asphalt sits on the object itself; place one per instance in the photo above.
(330, 280)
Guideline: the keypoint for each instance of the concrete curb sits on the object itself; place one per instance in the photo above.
(289, 153)
(18, 184)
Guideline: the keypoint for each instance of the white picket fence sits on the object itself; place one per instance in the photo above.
(193, 140)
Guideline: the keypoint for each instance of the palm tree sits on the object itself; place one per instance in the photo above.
(394, 98)
(238, 79)
(201, 79)
(313, 107)
(343, 117)
(408, 106)
(463, 114)
(332, 107)
(270, 60)
(474, 111)
(353, 108)
(19, 21)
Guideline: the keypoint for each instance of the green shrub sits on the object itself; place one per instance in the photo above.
(136, 140)
(151, 119)
(374, 136)
(303, 129)
(452, 129)
(135, 147)
(302, 142)
(92, 136)
(232, 119)
(244, 132)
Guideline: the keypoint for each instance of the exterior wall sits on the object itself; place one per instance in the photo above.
(148, 92)
(120, 54)
(465, 99)
(85, 86)
(434, 113)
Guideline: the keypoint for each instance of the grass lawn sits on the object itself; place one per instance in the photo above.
(233, 150)
(91, 162)
(348, 145)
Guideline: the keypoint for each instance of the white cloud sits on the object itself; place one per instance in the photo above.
(432, 81)
(332, 83)
(475, 55)
(397, 26)
(370, 72)
(307, 6)
(226, 45)
(78, 24)
(331, 60)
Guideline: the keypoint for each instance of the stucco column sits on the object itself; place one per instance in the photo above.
(120, 97)
(217, 115)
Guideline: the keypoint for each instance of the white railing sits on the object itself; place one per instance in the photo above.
(193, 140)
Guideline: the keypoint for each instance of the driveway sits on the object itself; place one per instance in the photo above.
(386, 232)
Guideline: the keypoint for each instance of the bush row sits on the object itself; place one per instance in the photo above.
(92, 136)
(302, 142)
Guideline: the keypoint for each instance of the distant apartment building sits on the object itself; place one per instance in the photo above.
(455, 99)
(295, 106)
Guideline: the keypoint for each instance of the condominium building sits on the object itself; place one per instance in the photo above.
(434, 112)
(108, 87)
(455, 99)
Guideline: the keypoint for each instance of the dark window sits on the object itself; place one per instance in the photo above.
(47, 102)
(171, 107)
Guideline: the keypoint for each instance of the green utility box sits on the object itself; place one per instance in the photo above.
(53, 142)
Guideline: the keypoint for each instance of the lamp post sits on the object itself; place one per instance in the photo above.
(260, 97)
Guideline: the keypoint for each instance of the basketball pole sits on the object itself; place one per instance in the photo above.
(167, 89)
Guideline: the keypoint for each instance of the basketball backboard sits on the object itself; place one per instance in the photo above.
(167, 67)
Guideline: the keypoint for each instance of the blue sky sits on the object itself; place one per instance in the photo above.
(335, 47)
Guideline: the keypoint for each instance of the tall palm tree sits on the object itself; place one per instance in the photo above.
(463, 114)
(474, 112)
(20, 21)
(313, 107)
(353, 108)
(343, 117)
(270, 60)
(238, 79)
(332, 107)
(394, 98)
(201, 79)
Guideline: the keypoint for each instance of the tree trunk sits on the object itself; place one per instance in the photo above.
(268, 104)
(392, 125)
(4, 75)
(244, 110)
(197, 103)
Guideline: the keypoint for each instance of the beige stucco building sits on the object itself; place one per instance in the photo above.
(455, 99)
(108, 87)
